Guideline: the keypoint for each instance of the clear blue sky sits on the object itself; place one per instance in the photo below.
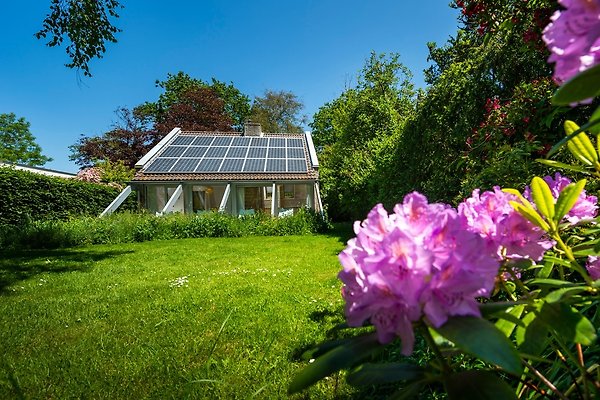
(310, 47)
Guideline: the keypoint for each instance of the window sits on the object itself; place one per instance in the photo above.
(288, 192)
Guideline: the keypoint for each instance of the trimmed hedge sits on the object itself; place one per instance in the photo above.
(26, 196)
(129, 227)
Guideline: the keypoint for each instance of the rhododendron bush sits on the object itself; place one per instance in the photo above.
(504, 288)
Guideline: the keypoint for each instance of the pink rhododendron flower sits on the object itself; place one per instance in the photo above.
(417, 262)
(593, 267)
(573, 38)
(90, 174)
(510, 234)
(584, 209)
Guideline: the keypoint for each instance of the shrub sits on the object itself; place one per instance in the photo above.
(25, 197)
(128, 227)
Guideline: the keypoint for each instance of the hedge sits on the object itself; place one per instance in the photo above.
(26, 196)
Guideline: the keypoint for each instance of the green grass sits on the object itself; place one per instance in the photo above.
(111, 321)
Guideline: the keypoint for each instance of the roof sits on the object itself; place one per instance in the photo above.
(40, 170)
(229, 156)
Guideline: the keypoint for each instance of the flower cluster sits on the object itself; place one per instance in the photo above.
(91, 174)
(573, 38)
(512, 236)
(584, 209)
(417, 262)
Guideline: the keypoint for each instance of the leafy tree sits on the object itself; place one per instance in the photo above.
(278, 112)
(176, 86)
(85, 25)
(127, 142)
(17, 144)
(356, 135)
(197, 109)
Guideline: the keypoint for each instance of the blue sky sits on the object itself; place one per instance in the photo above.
(312, 48)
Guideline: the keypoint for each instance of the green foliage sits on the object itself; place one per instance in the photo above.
(356, 134)
(17, 144)
(127, 228)
(25, 196)
(278, 112)
(85, 24)
(236, 104)
(115, 172)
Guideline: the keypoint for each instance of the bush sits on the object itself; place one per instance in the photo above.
(129, 227)
(27, 197)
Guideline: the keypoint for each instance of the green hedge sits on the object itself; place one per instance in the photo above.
(26, 196)
(130, 227)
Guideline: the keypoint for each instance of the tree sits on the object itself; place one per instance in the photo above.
(128, 141)
(17, 144)
(197, 109)
(356, 134)
(278, 112)
(176, 86)
(85, 25)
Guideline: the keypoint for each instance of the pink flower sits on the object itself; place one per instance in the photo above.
(90, 174)
(584, 209)
(416, 262)
(493, 218)
(573, 38)
(593, 267)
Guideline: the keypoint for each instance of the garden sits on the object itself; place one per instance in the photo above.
(472, 270)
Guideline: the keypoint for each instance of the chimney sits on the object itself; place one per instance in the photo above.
(252, 129)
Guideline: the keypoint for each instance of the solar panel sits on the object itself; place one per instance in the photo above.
(231, 154)
(195, 151)
(295, 153)
(216, 152)
(209, 165)
(257, 152)
(173, 151)
(275, 165)
(237, 152)
(161, 165)
(254, 165)
(222, 141)
(297, 143)
(203, 140)
(259, 142)
(241, 141)
(183, 140)
(296, 165)
(277, 142)
(276, 152)
(185, 165)
(232, 165)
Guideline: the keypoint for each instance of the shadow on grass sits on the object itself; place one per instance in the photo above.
(16, 266)
(342, 231)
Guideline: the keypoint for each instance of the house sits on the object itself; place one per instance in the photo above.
(231, 172)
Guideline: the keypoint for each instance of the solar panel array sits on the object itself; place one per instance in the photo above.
(230, 154)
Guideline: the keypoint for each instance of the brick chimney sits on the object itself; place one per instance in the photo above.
(252, 129)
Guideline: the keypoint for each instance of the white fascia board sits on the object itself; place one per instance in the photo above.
(311, 150)
(156, 149)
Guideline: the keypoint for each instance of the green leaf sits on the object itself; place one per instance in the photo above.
(344, 356)
(408, 392)
(482, 339)
(480, 385)
(557, 164)
(549, 283)
(507, 325)
(531, 215)
(542, 197)
(376, 374)
(580, 145)
(595, 130)
(564, 293)
(531, 337)
(568, 323)
(583, 86)
(489, 309)
(567, 138)
(567, 198)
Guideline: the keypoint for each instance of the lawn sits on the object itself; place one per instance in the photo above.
(190, 318)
